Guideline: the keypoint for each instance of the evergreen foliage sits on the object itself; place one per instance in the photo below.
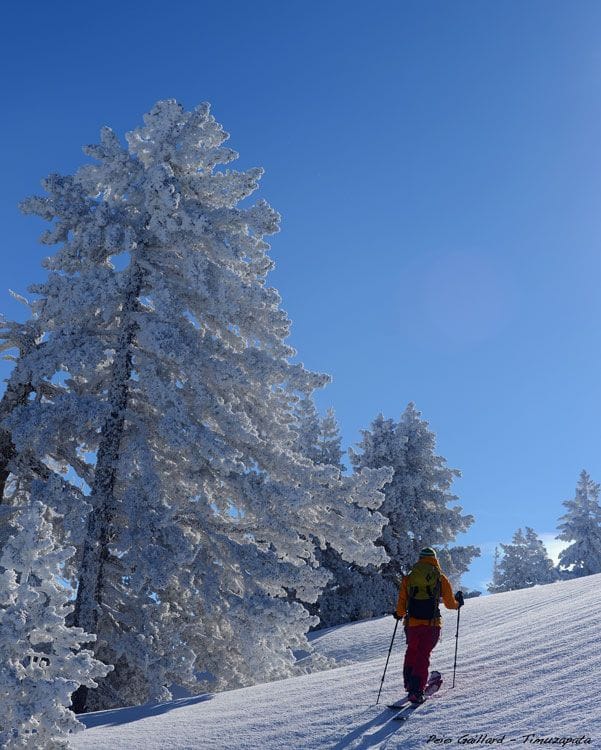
(581, 526)
(42, 660)
(156, 401)
(524, 563)
(416, 504)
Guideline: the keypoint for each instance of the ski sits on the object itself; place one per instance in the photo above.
(406, 709)
(434, 683)
(398, 706)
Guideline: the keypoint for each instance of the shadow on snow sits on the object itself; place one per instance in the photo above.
(361, 738)
(117, 716)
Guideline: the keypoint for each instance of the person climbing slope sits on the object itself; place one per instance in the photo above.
(418, 601)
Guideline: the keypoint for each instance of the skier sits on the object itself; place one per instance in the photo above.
(418, 602)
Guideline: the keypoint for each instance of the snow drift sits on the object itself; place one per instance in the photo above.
(528, 670)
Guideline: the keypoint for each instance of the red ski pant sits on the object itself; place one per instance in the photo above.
(421, 639)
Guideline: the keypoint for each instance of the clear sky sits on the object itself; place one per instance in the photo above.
(437, 168)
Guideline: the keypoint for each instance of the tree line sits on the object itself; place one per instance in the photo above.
(173, 509)
(419, 506)
(525, 561)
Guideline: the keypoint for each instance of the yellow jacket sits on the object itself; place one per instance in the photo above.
(446, 593)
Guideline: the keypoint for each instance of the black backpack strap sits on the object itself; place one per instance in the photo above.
(436, 597)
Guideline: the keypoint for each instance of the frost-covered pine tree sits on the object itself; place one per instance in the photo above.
(496, 584)
(330, 441)
(42, 660)
(581, 526)
(308, 429)
(174, 409)
(353, 592)
(350, 593)
(524, 563)
(418, 497)
(318, 438)
(417, 508)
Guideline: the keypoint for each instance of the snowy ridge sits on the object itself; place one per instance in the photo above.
(528, 668)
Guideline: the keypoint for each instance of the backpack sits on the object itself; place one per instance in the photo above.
(423, 591)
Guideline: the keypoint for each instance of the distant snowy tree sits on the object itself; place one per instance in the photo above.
(350, 593)
(417, 508)
(496, 584)
(524, 563)
(42, 660)
(330, 441)
(318, 438)
(581, 526)
(320, 441)
(163, 401)
(418, 496)
(307, 426)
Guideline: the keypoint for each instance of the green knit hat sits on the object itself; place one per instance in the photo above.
(427, 552)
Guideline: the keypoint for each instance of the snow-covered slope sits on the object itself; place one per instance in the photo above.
(529, 664)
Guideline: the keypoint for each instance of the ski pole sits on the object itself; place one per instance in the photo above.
(387, 659)
(456, 644)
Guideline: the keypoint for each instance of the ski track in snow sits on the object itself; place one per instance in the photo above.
(529, 662)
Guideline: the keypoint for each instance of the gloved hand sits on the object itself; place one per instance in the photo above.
(397, 617)
(459, 598)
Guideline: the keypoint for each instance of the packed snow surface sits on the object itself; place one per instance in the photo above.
(528, 670)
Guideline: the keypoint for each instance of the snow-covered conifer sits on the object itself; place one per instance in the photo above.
(330, 441)
(307, 426)
(175, 408)
(417, 508)
(42, 660)
(524, 563)
(496, 584)
(318, 438)
(581, 526)
(319, 441)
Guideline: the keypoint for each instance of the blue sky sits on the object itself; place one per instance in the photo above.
(437, 168)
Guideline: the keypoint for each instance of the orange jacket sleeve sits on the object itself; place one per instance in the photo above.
(447, 593)
(401, 603)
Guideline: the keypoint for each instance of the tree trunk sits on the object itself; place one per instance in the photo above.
(88, 604)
